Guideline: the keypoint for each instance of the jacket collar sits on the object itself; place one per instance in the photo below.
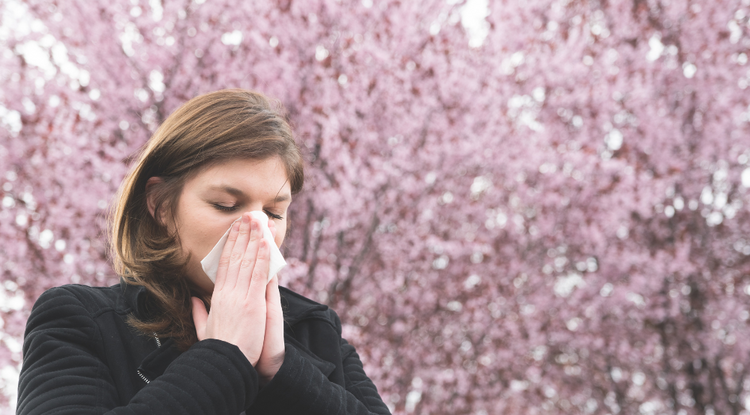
(156, 362)
(135, 297)
(297, 308)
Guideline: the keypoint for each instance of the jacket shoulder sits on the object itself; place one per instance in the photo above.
(93, 299)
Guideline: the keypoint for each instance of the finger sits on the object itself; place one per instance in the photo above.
(249, 256)
(226, 253)
(259, 278)
(200, 316)
(238, 252)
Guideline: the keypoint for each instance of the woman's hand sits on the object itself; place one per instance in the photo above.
(245, 310)
(238, 305)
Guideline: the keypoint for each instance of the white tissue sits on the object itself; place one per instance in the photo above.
(210, 263)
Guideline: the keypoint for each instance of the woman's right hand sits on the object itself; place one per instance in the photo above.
(238, 305)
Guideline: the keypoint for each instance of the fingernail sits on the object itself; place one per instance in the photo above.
(245, 218)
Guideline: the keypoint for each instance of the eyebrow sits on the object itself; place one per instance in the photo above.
(239, 193)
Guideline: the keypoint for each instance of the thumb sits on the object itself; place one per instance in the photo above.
(200, 316)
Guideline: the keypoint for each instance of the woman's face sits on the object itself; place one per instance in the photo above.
(212, 199)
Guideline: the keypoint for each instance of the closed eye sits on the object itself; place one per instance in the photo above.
(273, 215)
(224, 208)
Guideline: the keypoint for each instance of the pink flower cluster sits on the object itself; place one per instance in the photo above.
(550, 218)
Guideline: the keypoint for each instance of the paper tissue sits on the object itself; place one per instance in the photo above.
(210, 263)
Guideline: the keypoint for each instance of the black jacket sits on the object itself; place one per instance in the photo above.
(81, 357)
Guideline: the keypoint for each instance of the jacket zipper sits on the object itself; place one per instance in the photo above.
(141, 375)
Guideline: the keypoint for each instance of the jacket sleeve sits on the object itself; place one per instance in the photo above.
(64, 371)
(301, 388)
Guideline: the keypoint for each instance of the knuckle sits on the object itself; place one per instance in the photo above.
(236, 256)
(263, 253)
(247, 263)
(255, 234)
(257, 274)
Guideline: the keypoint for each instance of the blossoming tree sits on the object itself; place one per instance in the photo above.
(516, 207)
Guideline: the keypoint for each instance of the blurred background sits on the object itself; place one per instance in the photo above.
(537, 206)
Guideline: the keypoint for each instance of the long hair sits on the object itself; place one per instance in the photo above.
(205, 131)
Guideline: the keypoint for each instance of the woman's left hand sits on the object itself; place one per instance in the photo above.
(272, 354)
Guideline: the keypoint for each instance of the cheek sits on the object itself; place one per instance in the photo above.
(200, 236)
(196, 242)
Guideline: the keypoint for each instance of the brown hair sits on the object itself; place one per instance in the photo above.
(207, 130)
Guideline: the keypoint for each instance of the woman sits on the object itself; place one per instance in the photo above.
(167, 339)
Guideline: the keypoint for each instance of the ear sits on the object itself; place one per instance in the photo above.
(150, 185)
